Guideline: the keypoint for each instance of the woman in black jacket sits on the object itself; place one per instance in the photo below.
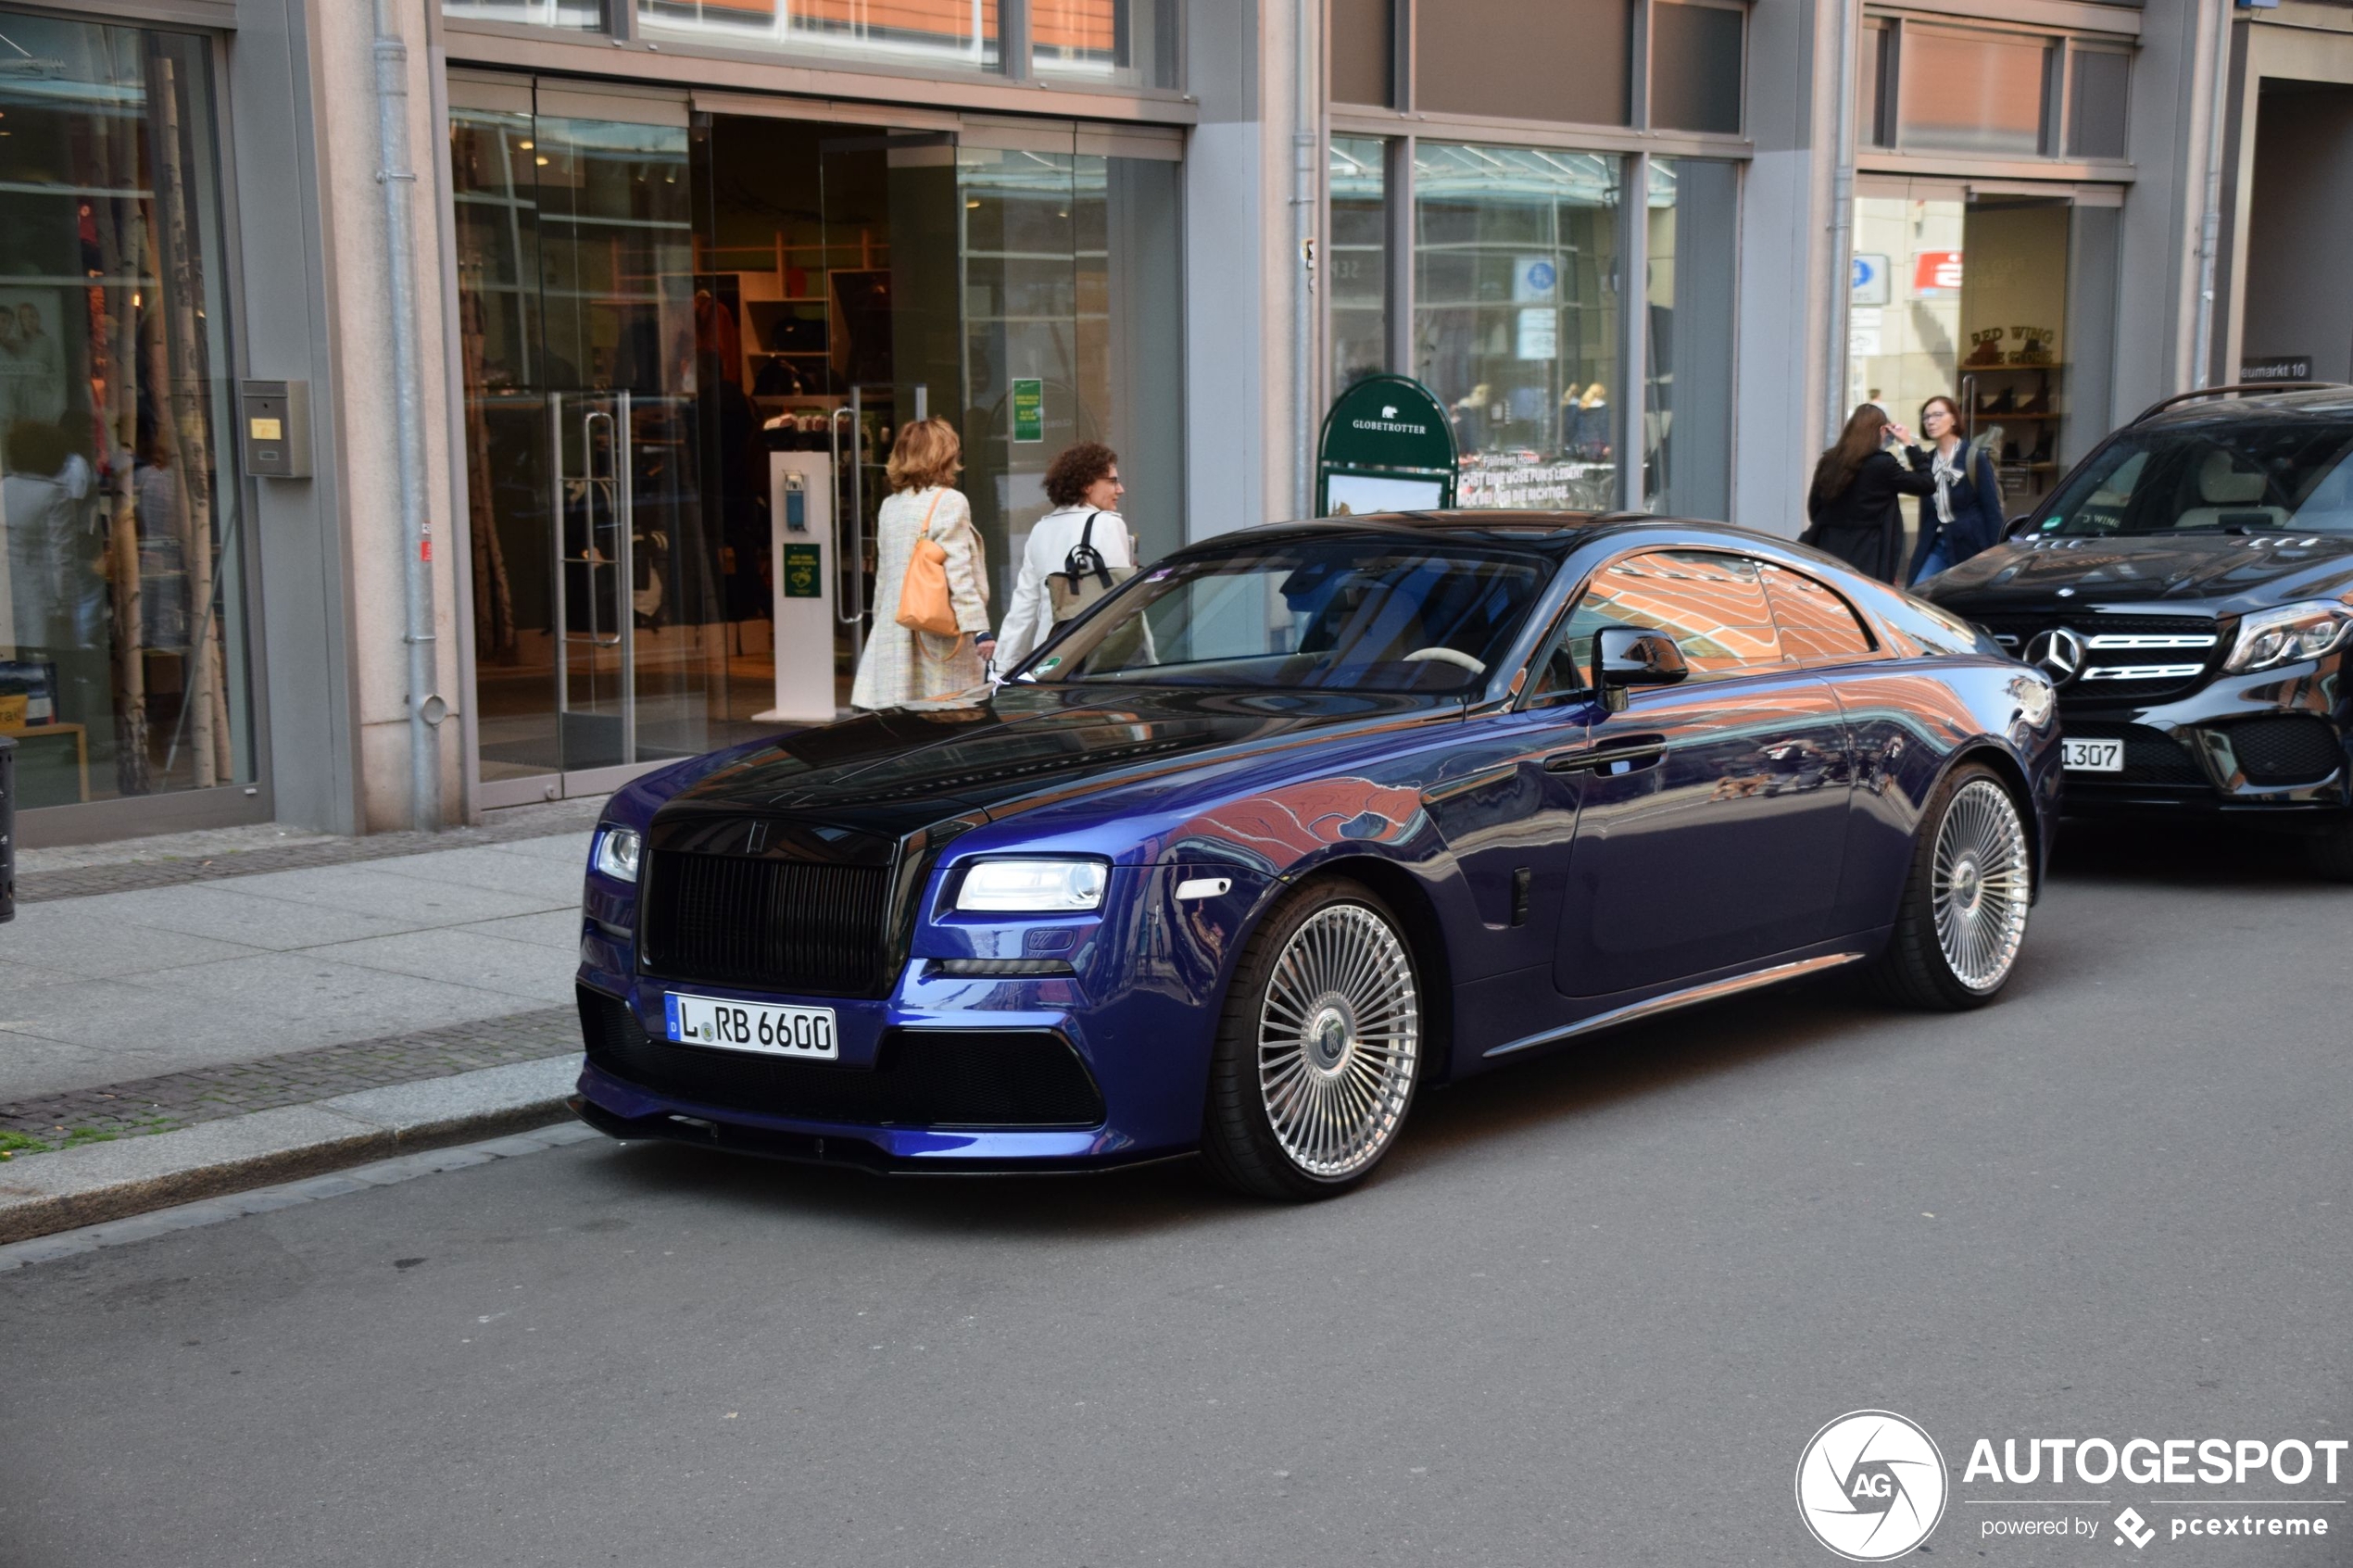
(1852, 502)
(1963, 512)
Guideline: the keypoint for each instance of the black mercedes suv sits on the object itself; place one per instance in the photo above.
(2189, 587)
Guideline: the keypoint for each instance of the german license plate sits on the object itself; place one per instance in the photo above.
(807, 1033)
(2093, 756)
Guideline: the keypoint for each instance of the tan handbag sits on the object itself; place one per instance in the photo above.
(924, 604)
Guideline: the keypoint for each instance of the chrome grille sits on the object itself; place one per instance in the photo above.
(2125, 657)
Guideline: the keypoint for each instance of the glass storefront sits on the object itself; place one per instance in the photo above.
(1516, 307)
(1357, 259)
(1112, 43)
(689, 341)
(1692, 241)
(122, 615)
(2005, 304)
(1072, 293)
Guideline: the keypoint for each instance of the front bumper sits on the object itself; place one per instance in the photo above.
(2269, 745)
(914, 1089)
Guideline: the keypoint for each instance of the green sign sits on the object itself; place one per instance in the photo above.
(803, 572)
(1029, 410)
(1388, 447)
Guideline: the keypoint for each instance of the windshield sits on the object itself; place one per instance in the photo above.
(2242, 478)
(1350, 613)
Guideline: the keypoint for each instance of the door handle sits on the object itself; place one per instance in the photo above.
(1610, 757)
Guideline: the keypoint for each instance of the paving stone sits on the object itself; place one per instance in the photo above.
(565, 821)
(184, 1098)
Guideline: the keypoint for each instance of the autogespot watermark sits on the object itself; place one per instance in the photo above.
(1872, 1486)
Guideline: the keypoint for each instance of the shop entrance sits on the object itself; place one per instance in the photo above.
(687, 345)
(2002, 301)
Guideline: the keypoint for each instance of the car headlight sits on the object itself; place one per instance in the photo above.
(617, 851)
(1033, 886)
(2288, 634)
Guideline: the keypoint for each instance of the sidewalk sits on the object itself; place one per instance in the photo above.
(257, 998)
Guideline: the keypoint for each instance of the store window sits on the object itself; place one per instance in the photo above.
(1921, 88)
(2095, 120)
(1527, 59)
(1362, 35)
(1357, 256)
(915, 32)
(122, 622)
(1696, 66)
(1516, 318)
(1973, 91)
(1115, 42)
(1692, 238)
(585, 15)
(1073, 331)
(2005, 304)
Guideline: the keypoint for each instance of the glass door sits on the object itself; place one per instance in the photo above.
(599, 644)
(893, 335)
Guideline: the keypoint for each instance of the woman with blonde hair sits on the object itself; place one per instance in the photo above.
(904, 663)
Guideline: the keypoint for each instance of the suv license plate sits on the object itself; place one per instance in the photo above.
(2093, 756)
(806, 1033)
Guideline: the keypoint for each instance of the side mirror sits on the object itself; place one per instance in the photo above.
(1626, 656)
(2018, 525)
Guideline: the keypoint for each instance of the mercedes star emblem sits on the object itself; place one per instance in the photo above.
(2057, 652)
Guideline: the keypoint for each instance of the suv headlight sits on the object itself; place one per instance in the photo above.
(2288, 634)
(1033, 886)
(617, 851)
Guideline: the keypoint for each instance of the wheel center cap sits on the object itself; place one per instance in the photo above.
(1329, 1040)
(1966, 884)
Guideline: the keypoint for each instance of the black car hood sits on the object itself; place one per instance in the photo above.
(890, 773)
(2200, 568)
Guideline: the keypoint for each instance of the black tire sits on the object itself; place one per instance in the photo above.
(1951, 972)
(1270, 1069)
(2331, 851)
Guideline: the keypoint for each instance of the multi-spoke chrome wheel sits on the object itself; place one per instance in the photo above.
(1338, 1035)
(1981, 882)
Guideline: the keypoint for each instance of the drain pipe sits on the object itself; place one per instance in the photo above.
(1842, 223)
(426, 710)
(2209, 236)
(1302, 205)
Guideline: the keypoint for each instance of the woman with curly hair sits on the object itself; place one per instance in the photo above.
(902, 664)
(1084, 484)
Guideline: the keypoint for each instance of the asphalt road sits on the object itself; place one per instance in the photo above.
(1591, 1312)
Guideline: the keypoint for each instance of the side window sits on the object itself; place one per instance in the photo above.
(1713, 605)
(1817, 627)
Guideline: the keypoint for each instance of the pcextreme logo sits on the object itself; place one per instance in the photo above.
(1870, 1485)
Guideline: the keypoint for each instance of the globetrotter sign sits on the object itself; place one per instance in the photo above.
(1388, 447)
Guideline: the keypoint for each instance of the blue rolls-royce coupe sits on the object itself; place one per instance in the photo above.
(1301, 820)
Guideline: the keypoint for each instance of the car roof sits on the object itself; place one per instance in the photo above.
(1545, 532)
(2331, 404)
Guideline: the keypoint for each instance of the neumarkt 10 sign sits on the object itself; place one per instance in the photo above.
(1388, 447)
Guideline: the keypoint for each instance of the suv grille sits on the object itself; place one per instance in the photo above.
(2132, 657)
(2287, 750)
(922, 1077)
(788, 925)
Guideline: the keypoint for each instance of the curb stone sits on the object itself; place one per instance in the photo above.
(93, 1183)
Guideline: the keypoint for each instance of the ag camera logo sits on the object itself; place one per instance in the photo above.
(1870, 1485)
